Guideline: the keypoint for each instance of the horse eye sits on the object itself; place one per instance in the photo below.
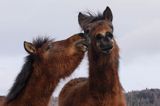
(110, 35)
(99, 37)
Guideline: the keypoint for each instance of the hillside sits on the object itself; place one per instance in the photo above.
(148, 97)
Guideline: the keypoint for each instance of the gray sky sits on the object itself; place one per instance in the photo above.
(136, 25)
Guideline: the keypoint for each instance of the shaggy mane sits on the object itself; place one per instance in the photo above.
(96, 17)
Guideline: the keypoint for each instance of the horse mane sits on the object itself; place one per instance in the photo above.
(26, 71)
(39, 41)
(93, 17)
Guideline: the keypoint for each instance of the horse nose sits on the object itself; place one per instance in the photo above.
(109, 37)
(84, 36)
(84, 40)
(81, 35)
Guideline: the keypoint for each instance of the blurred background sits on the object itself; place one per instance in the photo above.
(136, 28)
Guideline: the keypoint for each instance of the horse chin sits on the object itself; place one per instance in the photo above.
(106, 51)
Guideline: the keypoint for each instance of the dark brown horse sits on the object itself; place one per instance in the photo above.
(103, 87)
(48, 61)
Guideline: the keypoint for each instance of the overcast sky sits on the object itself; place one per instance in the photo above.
(136, 25)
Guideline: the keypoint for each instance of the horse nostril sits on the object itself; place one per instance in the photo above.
(81, 35)
(109, 35)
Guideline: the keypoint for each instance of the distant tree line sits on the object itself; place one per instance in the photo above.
(148, 97)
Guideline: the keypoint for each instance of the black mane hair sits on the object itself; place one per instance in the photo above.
(26, 71)
(40, 41)
(96, 17)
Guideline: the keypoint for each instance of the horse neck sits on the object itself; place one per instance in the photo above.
(44, 79)
(43, 83)
(38, 89)
(103, 72)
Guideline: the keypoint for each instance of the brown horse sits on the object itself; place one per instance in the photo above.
(47, 62)
(103, 87)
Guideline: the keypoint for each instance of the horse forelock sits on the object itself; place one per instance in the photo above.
(95, 18)
(40, 41)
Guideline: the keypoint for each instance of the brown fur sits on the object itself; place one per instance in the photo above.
(103, 87)
(52, 61)
(2, 98)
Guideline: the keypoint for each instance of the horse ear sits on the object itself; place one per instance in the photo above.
(108, 14)
(29, 47)
(83, 20)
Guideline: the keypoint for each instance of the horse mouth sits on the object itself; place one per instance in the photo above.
(85, 46)
(107, 50)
